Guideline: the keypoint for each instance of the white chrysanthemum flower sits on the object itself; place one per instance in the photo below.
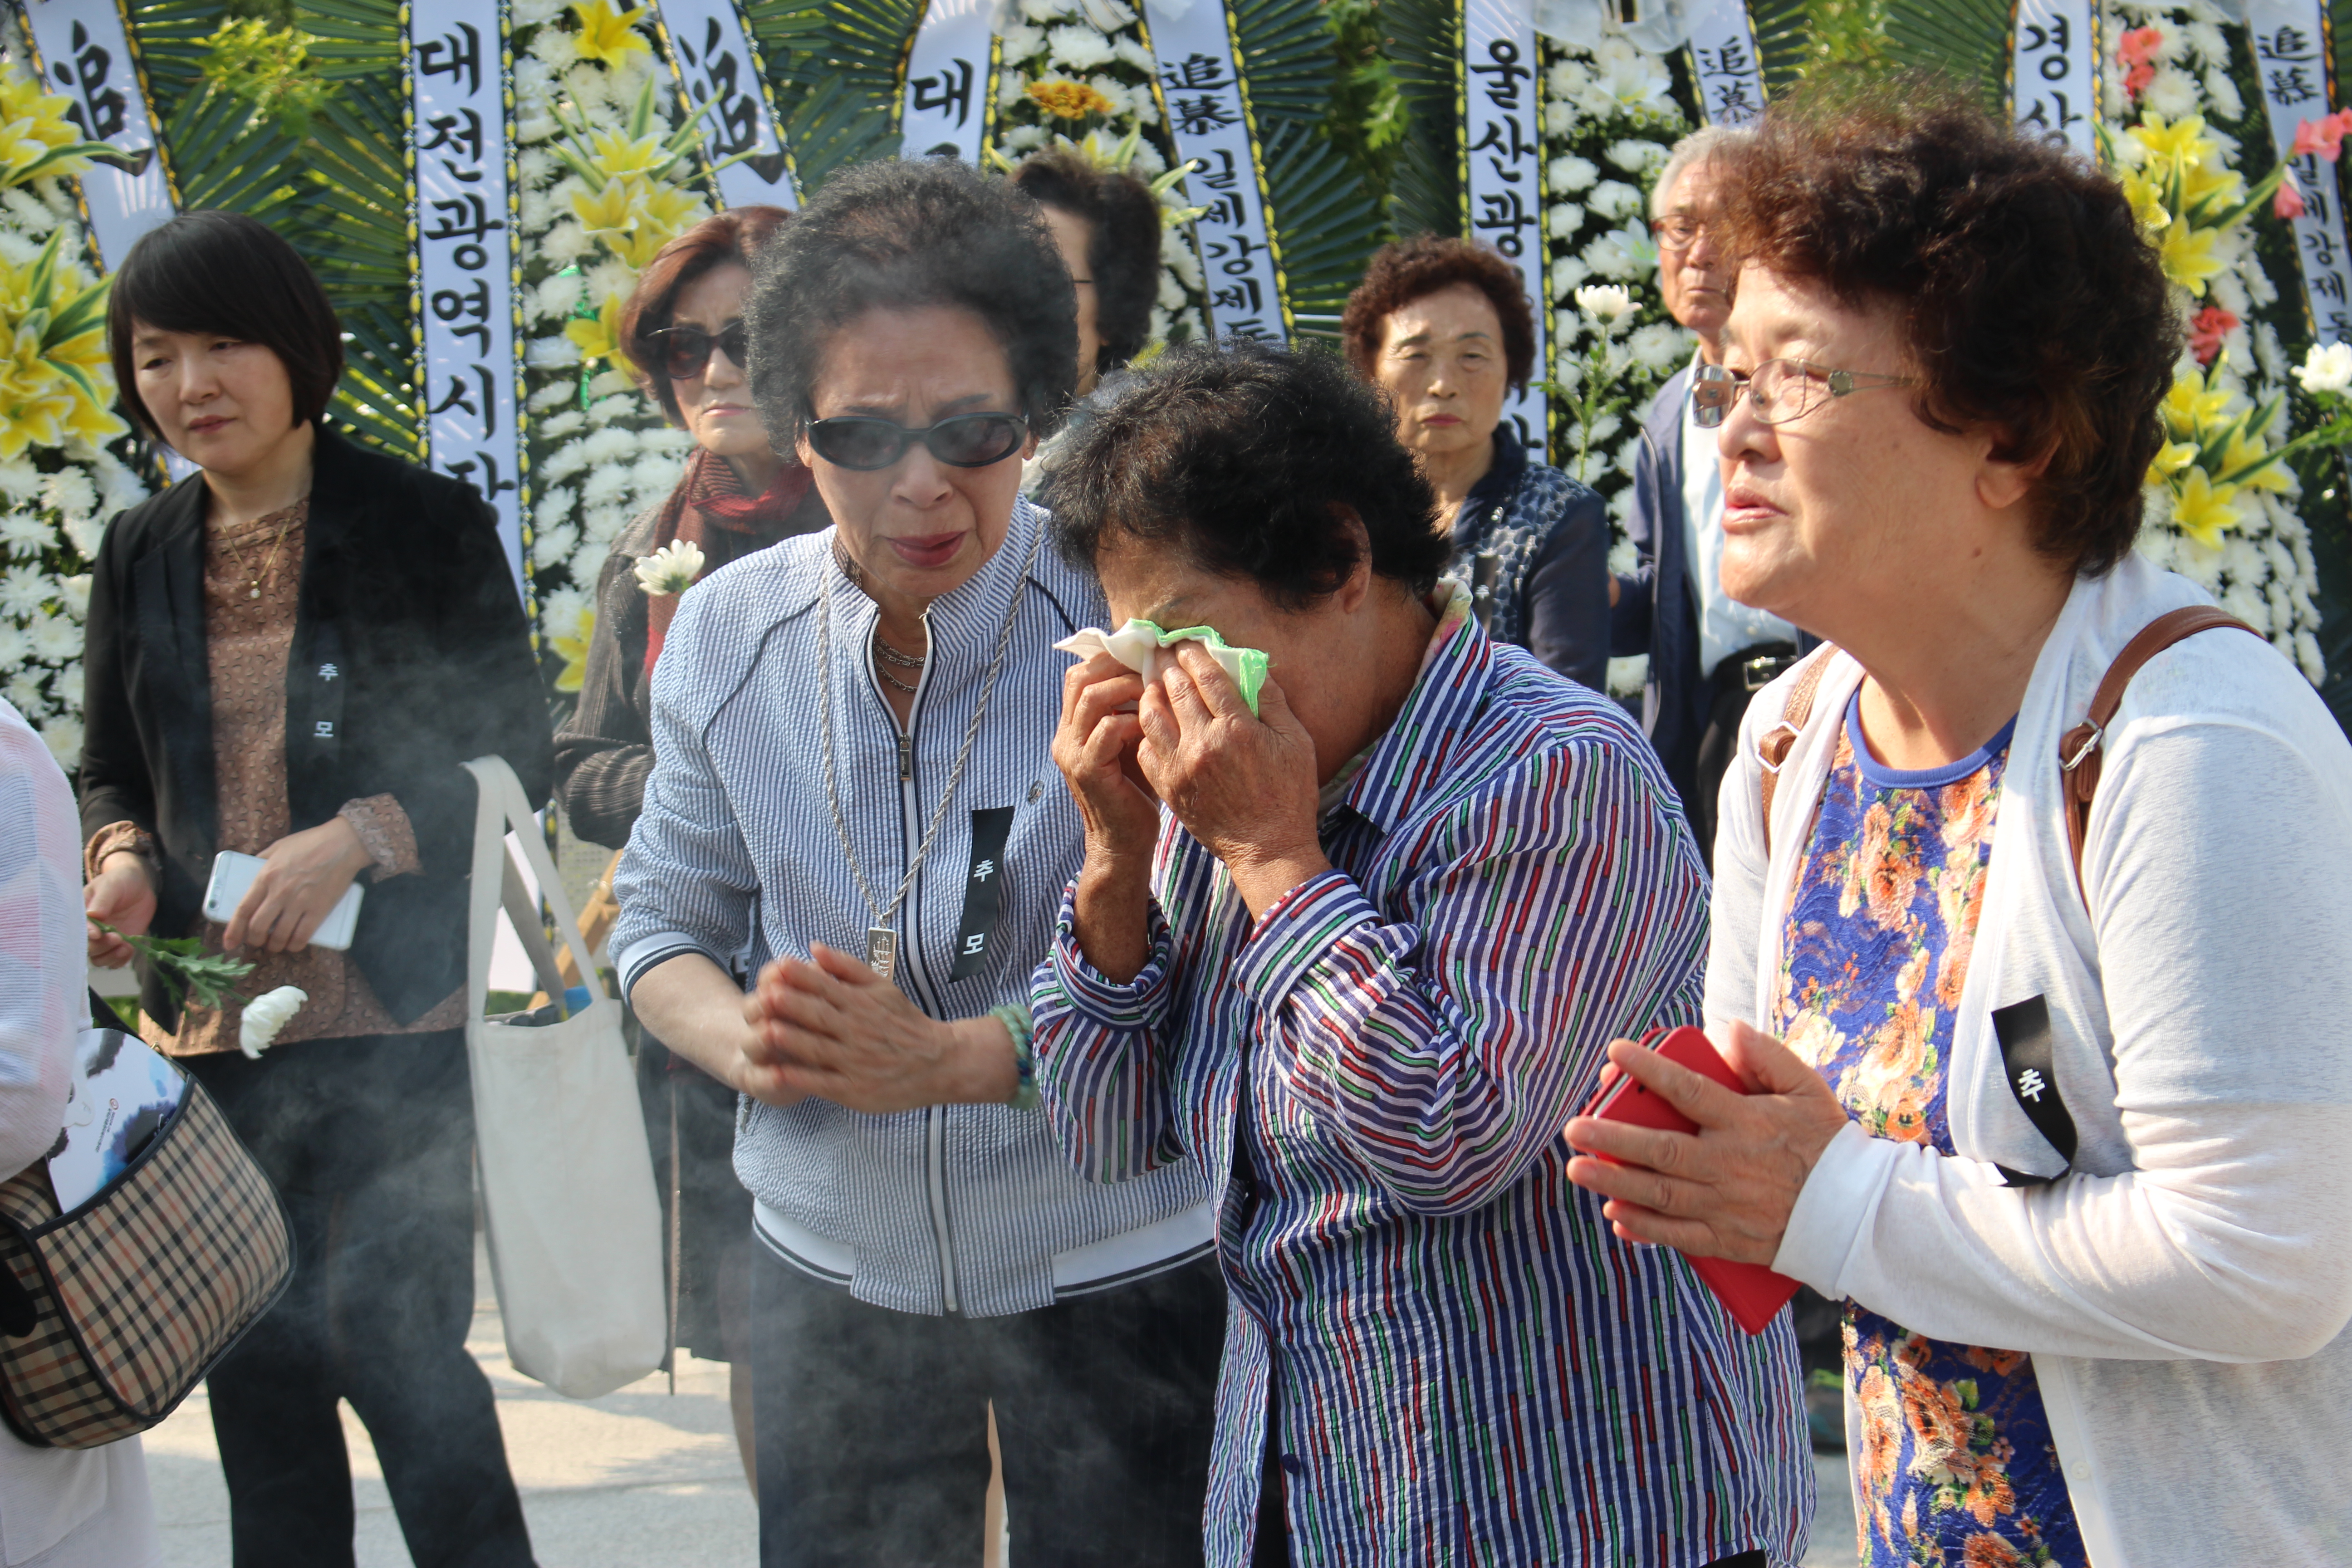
(23, 691)
(1563, 220)
(1115, 93)
(672, 569)
(75, 592)
(1624, 254)
(1078, 48)
(1636, 156)
(2222, 94)
(562, 424)
(605, 487)
(1605, 302)
(555, 543)
(2204, 40)
(15, 647)
(22, 591)
(554, 394)
(2171, 93)
(62, 734)
(1659, 346)
(19, 480)
(1130, 51)
(68, 490)
(600, 525)
(564, 244)
(1614, 198)
(563, 607)
(1559, 119)
(2327, 368)
(24, 533)
(1567, 272)
(552, 506)
(1571, 173)
(1171, 293)
(266, 1015)
(1022, 138)
(1567, 79)
(554, 48)
(554, 352)
(1147, 164)
(1022, 42)
(55, 637)
(1608, 424)
(1108, 16)
(1044, 11)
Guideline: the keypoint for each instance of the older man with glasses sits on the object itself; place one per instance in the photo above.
(1708, 653)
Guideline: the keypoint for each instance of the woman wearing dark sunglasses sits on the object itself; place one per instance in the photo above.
(683, 328)
(855, 803)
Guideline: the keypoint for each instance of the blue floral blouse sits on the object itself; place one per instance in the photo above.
(1953, 1463)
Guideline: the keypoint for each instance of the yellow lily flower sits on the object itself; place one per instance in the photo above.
(2271, 475)
(618, 155)
(2170, 459)
(2146, 202)
(608, 34)
(573, 645)
(32, 122)
(2202, 509)
(612, 208)
(2191, 405)
(2183, 141)
(2211, 181)
(599, 336)
(2188, 257)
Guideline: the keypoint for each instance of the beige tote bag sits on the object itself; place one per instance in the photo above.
(567, 1181)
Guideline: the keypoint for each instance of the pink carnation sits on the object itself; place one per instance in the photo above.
(2288, 202)
(2205, 333)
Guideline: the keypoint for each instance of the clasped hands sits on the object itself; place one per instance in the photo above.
(1728, 1190)
(1242, 784)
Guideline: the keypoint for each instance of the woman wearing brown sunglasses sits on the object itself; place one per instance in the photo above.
(683, 329)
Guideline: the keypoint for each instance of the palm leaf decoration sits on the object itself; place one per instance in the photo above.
(1325, 222)
(834, 68)
(1964, 40)
(1425, 45)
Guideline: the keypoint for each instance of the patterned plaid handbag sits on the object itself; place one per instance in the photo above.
(110, 1314)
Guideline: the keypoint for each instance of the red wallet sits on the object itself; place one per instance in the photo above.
(1750, 1292)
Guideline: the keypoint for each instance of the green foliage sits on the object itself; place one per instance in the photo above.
(1964, 40)
(190, 973)
(269, 68)
(834, 66)
(1367, 118)
(1846, 32)
(1424, 41)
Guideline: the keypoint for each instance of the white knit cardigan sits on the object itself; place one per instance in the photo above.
(2184, 1289)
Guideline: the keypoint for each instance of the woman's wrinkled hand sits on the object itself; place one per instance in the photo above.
(1095, 748)
(122, 894)
(1728, 1190)
(829, 1027)
(307, 873)
(1243, 784)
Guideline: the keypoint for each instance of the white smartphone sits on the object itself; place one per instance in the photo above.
(234, 873)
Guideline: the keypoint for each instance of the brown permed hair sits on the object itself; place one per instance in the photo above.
(1122, 219)
(2027, 300)
(735, 234)
(1413, 269)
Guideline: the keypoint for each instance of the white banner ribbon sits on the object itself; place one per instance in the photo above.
(463, 217)
(2298, 83)
(2055, 70)
(82, 50)
(1502, 171)
(1727, 75)
(1208, 120)
(950, 81)
(716, 63)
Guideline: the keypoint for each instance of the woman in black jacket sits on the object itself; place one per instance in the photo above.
(290, 656)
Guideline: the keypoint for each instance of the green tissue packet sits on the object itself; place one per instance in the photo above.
(1245, 666)
(1138, 643)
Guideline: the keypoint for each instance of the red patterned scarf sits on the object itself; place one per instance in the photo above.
(709, 510)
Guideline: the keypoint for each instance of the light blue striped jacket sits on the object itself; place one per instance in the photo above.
(1469, 1367)
(968, 1209)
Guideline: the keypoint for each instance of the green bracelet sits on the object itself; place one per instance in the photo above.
(1025, 1059)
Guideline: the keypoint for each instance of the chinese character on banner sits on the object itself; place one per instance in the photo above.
(717, 65)
(944, 111)
(463, 218)
(2290, 57)
(1727, 75)
(82, 52)
(1208, 121)
(2056, 70)
(1502, 171)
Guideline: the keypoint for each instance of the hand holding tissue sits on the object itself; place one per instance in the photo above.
(1144, 648)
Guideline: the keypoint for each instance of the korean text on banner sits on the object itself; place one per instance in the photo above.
(2055, 70)
(82, 50)
(951, 70)
(719, 70)
(1728, 76)
(2299, 84)
(1210, 120)
(464, 223)
(1502, 169)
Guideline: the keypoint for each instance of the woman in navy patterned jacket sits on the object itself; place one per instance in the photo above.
(1445, 327)
(1360, 956)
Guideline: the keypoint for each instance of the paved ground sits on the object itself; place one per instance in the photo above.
(637, 1480)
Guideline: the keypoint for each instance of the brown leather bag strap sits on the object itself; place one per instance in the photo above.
(2080, 749)
(1773, 749)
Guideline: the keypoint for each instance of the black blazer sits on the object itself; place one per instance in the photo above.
(409, 654)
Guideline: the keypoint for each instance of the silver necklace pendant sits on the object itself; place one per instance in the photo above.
(882, 951)
(257, 592)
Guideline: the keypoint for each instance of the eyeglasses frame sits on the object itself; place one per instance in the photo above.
(709, 340)
(1839, 383)
(909, 435)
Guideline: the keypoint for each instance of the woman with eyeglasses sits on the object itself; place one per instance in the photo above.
(683, 331)
(849, 860)
(2032, 917)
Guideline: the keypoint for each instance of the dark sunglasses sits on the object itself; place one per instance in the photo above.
(686, 351)
(966, 441)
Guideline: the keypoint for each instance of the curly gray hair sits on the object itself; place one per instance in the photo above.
(1695, 148)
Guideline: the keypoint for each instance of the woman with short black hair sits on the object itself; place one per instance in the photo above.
(853, 816)
(289, 655)
(1445, 328)
(1360, 945)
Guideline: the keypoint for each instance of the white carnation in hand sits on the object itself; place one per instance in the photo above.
(264, 1015)
(672, 569)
